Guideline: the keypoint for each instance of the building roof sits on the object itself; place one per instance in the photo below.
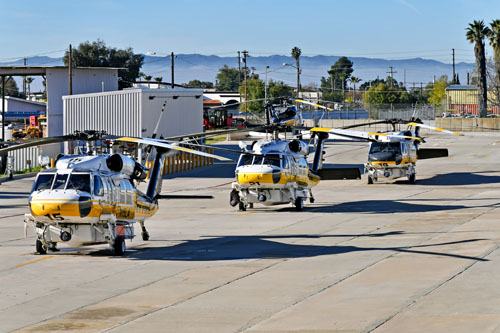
(461, 87)
(22, 100)
(41, 70)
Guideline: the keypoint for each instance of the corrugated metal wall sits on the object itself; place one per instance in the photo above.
(117, 113)
(21, 157)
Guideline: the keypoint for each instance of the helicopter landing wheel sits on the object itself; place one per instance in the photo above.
(311, 200)
(119, 246)
(40, 248)
(411, 179)
(299, 204)
(370, 180)
(145, 235)
(242, 207)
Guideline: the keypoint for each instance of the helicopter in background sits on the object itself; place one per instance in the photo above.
(393, 154)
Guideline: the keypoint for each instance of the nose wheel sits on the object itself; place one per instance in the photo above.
(299, 204)
(119, 246)
(40, 247)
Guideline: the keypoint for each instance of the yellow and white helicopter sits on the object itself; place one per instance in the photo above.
(275, 171)
(93, 198)
(393, 154)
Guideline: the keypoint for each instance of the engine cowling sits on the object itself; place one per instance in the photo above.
(298, 146)
(127, 166)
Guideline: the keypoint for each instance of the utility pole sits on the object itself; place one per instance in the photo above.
(172, 67)
(404, 78)
(24, 80)
(265, 87)
(70, 71)
(391, 73)
(453, 81)
(3, 109)
(245, 54)
(239, 72)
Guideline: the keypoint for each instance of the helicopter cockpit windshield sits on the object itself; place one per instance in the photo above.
(385, 147)
(73, 181)
(270, 159)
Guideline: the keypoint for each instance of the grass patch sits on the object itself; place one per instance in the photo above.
(21, 172)
(215, 139)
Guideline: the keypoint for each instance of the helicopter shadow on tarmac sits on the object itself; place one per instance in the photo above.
(461, 178)
(377, 207)
(216, 248)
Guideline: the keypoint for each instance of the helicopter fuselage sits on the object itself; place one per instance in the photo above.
(82, 202)
(392, 158)
(279, 174)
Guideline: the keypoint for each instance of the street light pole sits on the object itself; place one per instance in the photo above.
(298, 77)
(265, 87)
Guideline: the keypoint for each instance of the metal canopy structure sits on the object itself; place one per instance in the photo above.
(7, 71)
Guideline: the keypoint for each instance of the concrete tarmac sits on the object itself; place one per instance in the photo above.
(388, 257)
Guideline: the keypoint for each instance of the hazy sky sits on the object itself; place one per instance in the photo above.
(390, 29)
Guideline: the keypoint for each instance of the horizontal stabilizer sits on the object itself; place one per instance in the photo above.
(339, 173)
(425, 153)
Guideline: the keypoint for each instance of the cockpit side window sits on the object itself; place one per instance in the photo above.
(272, 159)
(257, 160)
(79, 182)
(60, 182)
(43, 182)
(98, 186)
(245, 160)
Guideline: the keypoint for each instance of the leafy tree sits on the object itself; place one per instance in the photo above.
(158, 80)
(438, 93)
(354, 80)
(227, 79)
(29, 81)
(476, 33)
(278, 89)
(11, 88)
(494, 37)
(255, 90)
(97, 54)
(200, 84)
(148, 79)
(338, 74)
(296, 52)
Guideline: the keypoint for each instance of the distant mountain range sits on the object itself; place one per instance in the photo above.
(205, 68)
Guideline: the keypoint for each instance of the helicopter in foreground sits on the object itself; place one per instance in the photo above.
(92, 198)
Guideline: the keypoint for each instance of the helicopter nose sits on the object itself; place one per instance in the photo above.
(66, 206)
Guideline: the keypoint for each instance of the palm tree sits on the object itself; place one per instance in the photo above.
(29, 81)
(158, 80)
(148, 79)
(476, 33)
(296, 52)
(494, 37)
(354, 81)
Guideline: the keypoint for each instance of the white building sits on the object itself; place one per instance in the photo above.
(135, 112)
(14, 104)
(84, 80)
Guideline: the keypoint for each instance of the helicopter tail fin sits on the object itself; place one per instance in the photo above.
(155, 178)
(318, 155)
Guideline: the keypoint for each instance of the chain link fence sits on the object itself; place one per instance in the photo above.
(402, 111)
